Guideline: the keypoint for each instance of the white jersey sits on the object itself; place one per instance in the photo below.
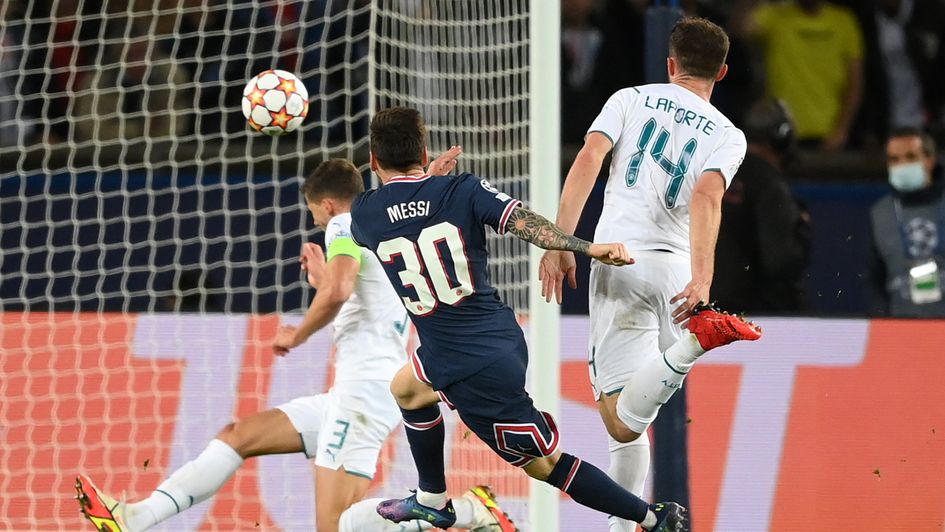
(664, 138)
(370, 331)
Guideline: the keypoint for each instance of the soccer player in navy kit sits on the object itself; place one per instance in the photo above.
(429, 234)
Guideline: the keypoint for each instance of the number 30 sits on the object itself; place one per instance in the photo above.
(424, 269)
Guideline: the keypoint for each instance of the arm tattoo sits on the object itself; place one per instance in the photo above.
(536, 229)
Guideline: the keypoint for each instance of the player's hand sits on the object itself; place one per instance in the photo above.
(696, 292)
(446, 162)
(610, 254)
(552, 270)
(285, 340)
(313, 264)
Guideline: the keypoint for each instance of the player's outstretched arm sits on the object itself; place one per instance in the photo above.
(335, 283)
(555, 266)
(538, 230)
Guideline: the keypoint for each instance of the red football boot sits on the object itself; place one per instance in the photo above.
(714, 328)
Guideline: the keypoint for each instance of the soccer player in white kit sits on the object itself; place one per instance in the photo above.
(674, 154)
(343, 429)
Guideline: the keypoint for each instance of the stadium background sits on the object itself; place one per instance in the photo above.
(138, 271)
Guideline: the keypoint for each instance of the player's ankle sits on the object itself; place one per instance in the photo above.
(683, 354)
(432, 500)
(650, 520)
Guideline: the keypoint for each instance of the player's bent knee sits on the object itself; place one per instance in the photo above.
(622, 434)
(410, 393)
(541, 468)
(229, 435)
(615, 427)
(232, 435)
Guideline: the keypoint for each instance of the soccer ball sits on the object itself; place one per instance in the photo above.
(275, 102)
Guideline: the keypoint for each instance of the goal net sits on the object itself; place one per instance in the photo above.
(150, 238)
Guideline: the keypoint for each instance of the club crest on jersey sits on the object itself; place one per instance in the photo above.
(488, 186)
(502, 196)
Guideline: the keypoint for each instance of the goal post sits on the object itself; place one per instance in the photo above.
(544, 165)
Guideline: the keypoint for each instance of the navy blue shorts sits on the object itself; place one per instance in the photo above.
(493, 403)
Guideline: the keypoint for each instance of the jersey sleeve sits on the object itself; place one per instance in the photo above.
(613, 116)
(728, 155)
(338, 239)
(490, 206)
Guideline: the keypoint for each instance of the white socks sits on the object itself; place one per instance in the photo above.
(655, 382)
(629, 465)
(684, 353)
(195, 482)
(466, 513)
(433, 500)
(362, 517)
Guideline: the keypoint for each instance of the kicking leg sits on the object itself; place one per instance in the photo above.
(658, 379)
(268, 432)
(591, 487)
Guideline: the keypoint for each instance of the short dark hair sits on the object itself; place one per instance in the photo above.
(699, 47)
(928, 143)
(334, 178)
(398, 138)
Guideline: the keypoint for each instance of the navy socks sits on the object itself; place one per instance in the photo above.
(591, 487)
(426, 435)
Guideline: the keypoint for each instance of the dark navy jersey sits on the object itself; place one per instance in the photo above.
(429, 233)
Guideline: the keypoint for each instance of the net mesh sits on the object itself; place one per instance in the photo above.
(464, 65)
(132, 191)
(129, 178)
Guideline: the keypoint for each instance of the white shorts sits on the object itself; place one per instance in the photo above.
(346, 426)
(631, 316)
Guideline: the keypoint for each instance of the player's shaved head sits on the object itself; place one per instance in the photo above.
(334, 178)
(699, 47)
(398, 138)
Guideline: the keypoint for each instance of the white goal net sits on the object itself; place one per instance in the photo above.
(150, 238)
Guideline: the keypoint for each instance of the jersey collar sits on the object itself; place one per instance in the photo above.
(408, 178)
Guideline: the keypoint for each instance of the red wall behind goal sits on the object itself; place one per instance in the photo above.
(823, 421)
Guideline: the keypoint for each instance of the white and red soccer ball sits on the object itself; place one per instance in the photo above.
(275, 102)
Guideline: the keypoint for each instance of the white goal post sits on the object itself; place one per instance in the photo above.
(544, 164)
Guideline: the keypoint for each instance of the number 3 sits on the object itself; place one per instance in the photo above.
(424, 269)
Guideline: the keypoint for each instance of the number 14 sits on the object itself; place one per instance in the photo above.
(677, 171)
